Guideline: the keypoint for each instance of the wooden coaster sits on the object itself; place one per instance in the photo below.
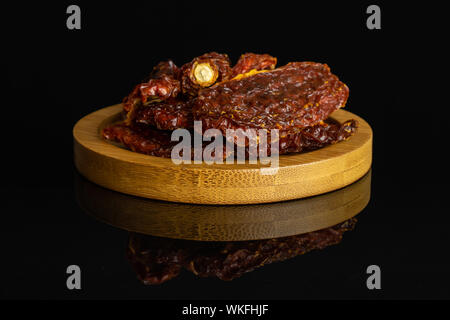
(222, 223)
(298, 176)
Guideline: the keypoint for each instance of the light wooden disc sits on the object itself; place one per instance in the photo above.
(298, 176)
(223, 223)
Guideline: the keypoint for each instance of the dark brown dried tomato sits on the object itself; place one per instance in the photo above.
(309, 139)
(167, 115)
(132, 100)
(144, 139)
(165, 68)
(163, 84)
(317, 136)
(295, 99)
(251, 61)
(159, 89)
(204, 71)
(298, 95)
(141, 139)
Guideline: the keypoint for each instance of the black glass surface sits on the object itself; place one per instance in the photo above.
(56, 76)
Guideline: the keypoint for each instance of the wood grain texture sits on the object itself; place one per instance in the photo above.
(298, 176)
(222, 223)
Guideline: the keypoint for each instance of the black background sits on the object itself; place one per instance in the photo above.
(55, 76)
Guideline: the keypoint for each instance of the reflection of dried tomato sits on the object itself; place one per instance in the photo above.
(157, 260)
(298, 95)
(204, 71)
(251, 61)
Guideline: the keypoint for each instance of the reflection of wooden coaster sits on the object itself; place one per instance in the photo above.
(223, 223)
(299, 175)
